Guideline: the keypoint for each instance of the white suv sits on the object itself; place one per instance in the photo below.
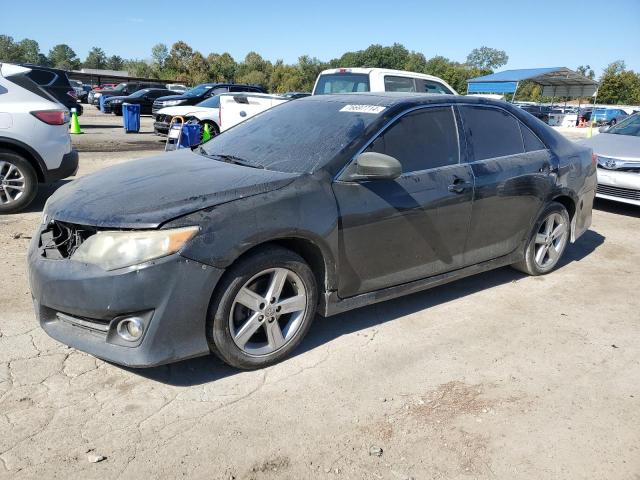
(35, 146)
(348, 80)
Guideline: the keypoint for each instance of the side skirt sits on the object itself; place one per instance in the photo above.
(332, 304)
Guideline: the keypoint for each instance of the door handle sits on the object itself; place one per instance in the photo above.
(458, 185)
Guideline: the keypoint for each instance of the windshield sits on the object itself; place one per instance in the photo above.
(198, 91)
(342, 83)
(213, 102)
(295, 137)
(628, 126)
(140, 93)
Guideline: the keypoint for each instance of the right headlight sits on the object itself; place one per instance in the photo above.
(170, 103)
(111, 250)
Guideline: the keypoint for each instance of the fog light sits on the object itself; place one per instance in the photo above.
(131, 329)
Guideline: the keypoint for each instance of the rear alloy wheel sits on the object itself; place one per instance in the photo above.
(264, 307)
(548, 242)
(18, 182)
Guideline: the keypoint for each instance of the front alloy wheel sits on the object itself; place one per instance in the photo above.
(268, 311)
(262, 308)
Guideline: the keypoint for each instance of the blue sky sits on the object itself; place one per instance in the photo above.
(534, 33)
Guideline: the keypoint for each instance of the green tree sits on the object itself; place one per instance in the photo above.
(115, 62)
(180, 58)
(198, 69)
(160, 54)
(487, 58)
(9, 50)
(62, 56)
(619, 85)
(222, 68)
(96, 58)
(30, 52)
(587, 71)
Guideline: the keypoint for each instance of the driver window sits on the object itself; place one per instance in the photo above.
(420, 140)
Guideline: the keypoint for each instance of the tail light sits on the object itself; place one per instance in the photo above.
(73, 94)
(594, 159)
(52, 117)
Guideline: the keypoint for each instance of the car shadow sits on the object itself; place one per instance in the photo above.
(208, 369)
(44, 192)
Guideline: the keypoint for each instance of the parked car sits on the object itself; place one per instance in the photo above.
(104, 86)
(205, 112)
(122, 89)
(539, 111)
(322, 204)
(238, 107)
(202, 92)
(56, 83)
(618, 153)
(351, 80)
(84, 93)
(34, 139)
(144, 98)
(607, 116)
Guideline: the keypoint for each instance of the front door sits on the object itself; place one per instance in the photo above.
(397, 231)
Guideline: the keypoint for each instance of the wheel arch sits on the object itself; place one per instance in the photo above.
(27, 153)
(318, 257)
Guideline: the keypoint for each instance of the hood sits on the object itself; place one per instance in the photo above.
(624, 147)
(149, 192)
(173, 97)
(117, 97)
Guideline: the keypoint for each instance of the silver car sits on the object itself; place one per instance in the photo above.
(618, 152)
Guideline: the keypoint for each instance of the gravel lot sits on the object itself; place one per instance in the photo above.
(496, 376)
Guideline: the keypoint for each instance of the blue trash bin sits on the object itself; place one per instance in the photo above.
(131, 117)
(101, 100)
(190, 135)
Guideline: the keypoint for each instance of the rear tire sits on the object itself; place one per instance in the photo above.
(547, 241)
(18, 182)
(262, 308)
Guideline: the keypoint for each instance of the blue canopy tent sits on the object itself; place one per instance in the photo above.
(555, 82)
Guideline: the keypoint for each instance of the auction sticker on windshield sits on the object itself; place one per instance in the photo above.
(362, 108)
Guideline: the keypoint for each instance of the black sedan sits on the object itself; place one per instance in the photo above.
(144, 98)
(320, 205)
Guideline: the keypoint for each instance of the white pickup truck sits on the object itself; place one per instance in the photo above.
(219, 112)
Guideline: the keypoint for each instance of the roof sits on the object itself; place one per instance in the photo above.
(555, 82)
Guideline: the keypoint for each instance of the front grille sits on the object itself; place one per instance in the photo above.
(59, 240)
(620, 192)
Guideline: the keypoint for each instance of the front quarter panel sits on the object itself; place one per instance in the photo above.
(304, 209)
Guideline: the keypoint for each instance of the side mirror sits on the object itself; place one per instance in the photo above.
(604, 128)
(377, 166)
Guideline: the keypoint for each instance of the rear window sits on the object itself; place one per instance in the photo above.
(399, 84)
(342, 83)
(492, 132)
(42, 77)
(28, 84)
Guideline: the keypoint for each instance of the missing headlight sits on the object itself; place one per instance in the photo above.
(60, 240)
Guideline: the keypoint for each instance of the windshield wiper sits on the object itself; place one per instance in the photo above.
(229, 158)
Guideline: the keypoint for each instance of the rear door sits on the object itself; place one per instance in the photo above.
(513, 177)
(412, 227)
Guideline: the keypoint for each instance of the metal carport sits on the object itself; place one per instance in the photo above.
(555, 82)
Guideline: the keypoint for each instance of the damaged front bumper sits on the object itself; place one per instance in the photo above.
(82, 305)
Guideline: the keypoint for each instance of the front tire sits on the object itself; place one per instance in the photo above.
(548, 241)
(262, 308)
(18, 182)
